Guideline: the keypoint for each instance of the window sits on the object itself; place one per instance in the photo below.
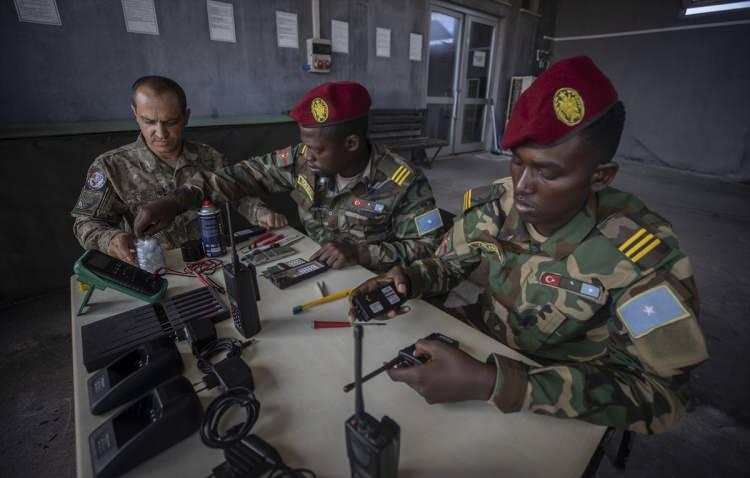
(702, 7)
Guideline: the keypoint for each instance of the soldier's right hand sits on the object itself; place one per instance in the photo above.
(273, 220)
(122, 246)
(155, 216)
(395, 276)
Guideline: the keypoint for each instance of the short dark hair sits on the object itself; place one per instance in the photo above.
(338, 132)
(604, 134)
(160, 84)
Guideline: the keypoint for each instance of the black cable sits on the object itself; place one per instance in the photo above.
(235, 397)
(230, 345)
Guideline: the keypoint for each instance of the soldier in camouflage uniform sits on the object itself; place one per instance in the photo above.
(582, 278)
(121, 180)
(363, 203)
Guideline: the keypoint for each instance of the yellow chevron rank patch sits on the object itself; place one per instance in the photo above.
(467, 199)
(639, 244)
(400, 175)
(302, 182)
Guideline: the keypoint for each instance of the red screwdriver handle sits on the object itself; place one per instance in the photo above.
(329, 324)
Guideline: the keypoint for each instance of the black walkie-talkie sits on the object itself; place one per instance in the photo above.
(242, 289)
(372, 446)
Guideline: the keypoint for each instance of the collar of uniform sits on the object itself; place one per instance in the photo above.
(514, 228)
(564, 241)
(150, 161)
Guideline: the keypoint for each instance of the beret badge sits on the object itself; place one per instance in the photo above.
(319, 109)
(569, 107)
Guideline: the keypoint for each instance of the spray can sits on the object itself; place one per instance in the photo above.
(209, 217)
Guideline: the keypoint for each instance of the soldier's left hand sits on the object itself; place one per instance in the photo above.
(337, 254)
(450, 375)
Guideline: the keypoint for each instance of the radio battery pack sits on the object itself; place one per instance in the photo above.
(377, 302)
(295, 271)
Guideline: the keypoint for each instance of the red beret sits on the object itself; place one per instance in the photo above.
(331, 103)
(568, 96)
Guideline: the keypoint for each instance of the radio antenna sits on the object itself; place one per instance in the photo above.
(359, 406)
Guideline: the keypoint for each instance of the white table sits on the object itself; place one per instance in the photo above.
(299, 373)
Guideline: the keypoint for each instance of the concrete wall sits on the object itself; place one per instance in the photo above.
(685, 91)
(82, 70)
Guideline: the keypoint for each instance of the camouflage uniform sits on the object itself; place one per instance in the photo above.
(389, 213)
(121, 180)
(607, 306)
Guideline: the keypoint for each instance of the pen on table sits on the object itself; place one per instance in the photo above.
(329, 298)
(333, 324)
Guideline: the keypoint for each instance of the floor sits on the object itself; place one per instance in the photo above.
(711, 217)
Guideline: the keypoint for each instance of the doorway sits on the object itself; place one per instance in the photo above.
(461, 55)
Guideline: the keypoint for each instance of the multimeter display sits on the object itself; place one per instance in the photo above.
(299, 271)
(101, 271)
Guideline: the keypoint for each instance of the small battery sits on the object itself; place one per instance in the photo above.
(377, 302)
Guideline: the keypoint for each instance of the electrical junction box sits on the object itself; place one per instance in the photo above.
(319, 55)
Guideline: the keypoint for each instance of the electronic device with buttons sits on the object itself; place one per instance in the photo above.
(372, 446)
(378, 302)
(99, 271)
(295, 271)
(242, 290)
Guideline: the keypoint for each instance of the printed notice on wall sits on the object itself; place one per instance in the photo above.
(339, 36)
(140, 16)
(287, 35)
(221, 21)
(38, 11)
(480, 57)
(383, 42)
(415, 47)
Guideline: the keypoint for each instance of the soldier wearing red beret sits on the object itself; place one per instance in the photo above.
(363, 203)
(583, 279)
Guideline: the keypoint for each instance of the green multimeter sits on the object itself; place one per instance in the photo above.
(99, 271)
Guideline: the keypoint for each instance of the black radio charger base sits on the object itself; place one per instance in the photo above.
(147, 426)
(133, 373)
(377, 302)
(371, 445)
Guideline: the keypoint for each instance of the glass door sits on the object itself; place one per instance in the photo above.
(458, 79)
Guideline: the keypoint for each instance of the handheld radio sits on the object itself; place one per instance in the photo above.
(242, 289)
(372, 446)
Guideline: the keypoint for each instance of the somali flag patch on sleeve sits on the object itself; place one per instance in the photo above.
(428, 222)
(650, 310)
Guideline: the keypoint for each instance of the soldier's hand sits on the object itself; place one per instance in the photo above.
(155, 216)
(337, 254)
(395, 276)
(450, 375)
(122, 246)
(273, 220)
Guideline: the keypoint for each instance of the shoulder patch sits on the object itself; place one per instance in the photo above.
(481, 195)
(635, 240)
(401, 174)
(92, 202)
(284, 157)
(96, 179)
(428, 222)
(650, 310)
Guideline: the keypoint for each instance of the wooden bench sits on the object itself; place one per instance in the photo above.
(404, 130)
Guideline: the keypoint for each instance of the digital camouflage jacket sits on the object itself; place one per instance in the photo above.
(607, 306)
(389, 214)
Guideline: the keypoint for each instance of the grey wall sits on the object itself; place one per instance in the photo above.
(685, 91)
(82, 70)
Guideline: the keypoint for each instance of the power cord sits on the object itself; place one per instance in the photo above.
(235, 397)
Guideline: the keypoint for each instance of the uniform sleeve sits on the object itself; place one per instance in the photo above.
(251, 208)
(642, 383)
(410, 243)
(99, 211)
(255, 177)
(453, 261)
